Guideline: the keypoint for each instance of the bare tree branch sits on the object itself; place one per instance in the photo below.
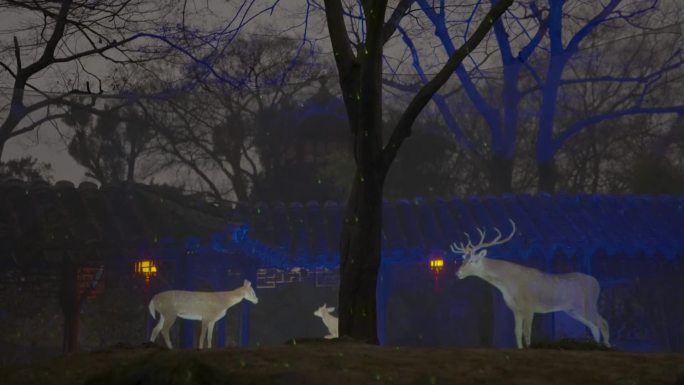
(403, 127)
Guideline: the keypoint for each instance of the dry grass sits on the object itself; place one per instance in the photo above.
(347, 363)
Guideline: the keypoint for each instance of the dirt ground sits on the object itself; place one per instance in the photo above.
(347, 363)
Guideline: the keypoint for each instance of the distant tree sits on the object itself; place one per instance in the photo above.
(496, 93)
(53, 33)
(625, 52)
(655, 175)
(656, 167)
(108, 145)
(294, 142)
(26, 168)
(546, 57)
(209, 133)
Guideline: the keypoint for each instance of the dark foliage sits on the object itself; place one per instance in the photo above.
(26, 168)
(162, 368)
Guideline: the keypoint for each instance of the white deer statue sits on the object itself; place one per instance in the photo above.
(207, 307)
(329, 320)
(527, 290)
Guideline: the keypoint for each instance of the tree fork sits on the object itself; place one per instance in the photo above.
(360, 81)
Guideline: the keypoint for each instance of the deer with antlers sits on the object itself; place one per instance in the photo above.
(527, 290)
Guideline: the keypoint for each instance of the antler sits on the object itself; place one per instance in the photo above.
(470, 248)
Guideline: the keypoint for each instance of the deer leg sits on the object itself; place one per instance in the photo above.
(587, 321)
(210, 333)
(203, 334)
(165, 330)
(157, 328)
(605, 330)
(518, 328)
(601, 325)
(527, 328)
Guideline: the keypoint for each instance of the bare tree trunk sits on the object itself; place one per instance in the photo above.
(70, 304)
(361, 83)
(500, 174)
(13, 119)
(130, 174)
(360, 248)
(238, 179)
(3, 140)
(547, 176)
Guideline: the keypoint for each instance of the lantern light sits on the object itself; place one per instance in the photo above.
(436, 264)
(146, 268)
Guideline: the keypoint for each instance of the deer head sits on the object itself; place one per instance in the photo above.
(474, 254)
(250, 295)
(323, 310)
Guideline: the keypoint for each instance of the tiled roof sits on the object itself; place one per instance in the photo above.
(38, 217)
(547, 225)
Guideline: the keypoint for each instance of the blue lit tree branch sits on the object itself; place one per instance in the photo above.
(438, 99)
(502, 121)
(537, 34)
(629, 102)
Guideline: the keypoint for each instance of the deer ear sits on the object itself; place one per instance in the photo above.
(331, 309)
(481, 254)
(246, 283)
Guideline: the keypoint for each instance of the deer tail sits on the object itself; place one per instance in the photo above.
(151, 307)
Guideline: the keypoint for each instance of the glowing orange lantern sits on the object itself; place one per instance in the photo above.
(146, 268)
(436, 265)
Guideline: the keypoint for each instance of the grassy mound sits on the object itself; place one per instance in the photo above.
(162, 368)
(570, 344)
(323, 341)
(331, 362)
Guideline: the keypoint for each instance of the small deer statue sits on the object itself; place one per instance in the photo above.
(207, 307)
(330, 321)
(527, 290)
